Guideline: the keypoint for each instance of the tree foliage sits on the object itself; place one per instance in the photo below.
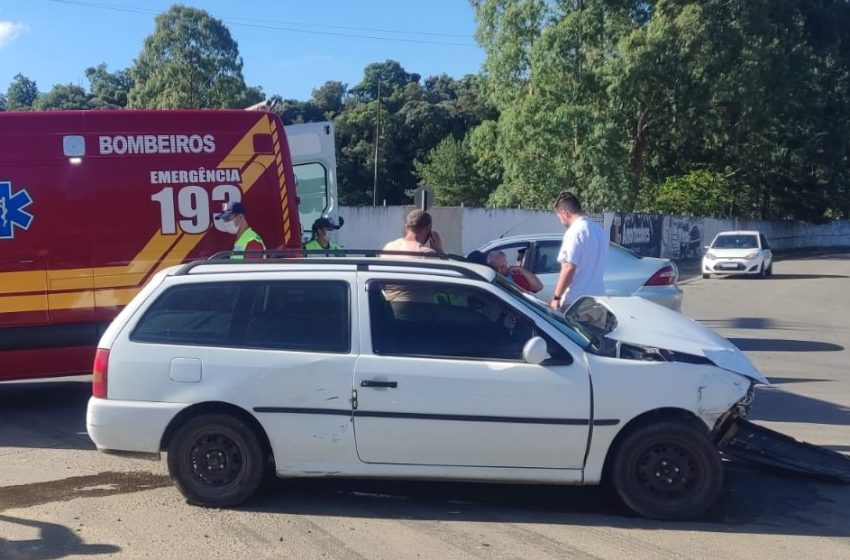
(67, 96)
(21, 94)
(190, 61)
(621, 101)
(685, 106)
(450, 169)
(109, 90)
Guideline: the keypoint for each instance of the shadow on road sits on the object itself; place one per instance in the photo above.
(54, 541)
(777, 276)
(48, 414)
(788, 380)
(783, 345)
(751, 323)
(753, 502)
(776, 405)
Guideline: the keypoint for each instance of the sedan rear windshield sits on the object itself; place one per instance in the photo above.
(736, 242)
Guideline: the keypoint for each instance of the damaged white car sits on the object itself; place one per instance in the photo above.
(413, 368)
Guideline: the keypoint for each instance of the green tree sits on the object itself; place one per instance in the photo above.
(190, 61)
(62, 96)
(451, 171)
(2, 101)
(391, 76)
(21, 94)
(109, 90)
(329, 98)
(700, 193)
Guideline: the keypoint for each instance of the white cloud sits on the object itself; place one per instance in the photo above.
(9, 31)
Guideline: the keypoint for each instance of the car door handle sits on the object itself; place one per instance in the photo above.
(374, 383)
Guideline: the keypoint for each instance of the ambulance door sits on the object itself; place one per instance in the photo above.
(313, 153)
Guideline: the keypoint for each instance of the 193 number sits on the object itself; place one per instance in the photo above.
(193, 206)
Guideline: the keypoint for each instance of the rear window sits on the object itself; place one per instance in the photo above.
(284, 315)
(196, 314)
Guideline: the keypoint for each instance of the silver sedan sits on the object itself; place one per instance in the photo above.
(626, 274)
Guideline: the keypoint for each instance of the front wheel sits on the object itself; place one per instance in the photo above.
(215, 460)
(667, 470)
(706, 276)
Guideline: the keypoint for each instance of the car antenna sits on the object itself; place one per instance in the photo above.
(510, 229)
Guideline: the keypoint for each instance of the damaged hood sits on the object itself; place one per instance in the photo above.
(645, 323)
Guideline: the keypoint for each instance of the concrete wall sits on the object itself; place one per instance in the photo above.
(466, 229)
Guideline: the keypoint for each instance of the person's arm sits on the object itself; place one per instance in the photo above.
(436, 242)
(565, 278)
(534, 283)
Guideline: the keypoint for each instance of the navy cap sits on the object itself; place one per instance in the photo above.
(325, 223)
(230, 210)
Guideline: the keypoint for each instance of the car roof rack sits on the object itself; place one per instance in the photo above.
(362, 258)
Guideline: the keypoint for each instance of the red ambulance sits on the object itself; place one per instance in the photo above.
(93, 203)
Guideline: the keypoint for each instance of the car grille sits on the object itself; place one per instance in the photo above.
(729, 266)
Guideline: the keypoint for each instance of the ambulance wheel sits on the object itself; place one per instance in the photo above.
(215, 460)
(667, 470)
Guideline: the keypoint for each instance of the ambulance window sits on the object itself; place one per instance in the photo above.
(312, 191)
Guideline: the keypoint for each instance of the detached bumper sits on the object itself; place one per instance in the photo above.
(129, 426)
(752, 443)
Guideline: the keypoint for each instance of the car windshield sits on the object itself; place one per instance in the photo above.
(736, 242)
(566, 325)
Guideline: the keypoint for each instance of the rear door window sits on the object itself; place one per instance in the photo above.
(300, 315)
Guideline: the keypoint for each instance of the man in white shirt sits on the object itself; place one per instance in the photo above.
(582, 256)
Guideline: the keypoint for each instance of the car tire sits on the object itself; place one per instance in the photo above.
(667, 470)
(770, 270)
(215, 460)
(764, 272)
(706, 276)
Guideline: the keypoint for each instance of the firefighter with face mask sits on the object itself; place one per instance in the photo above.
(320, 240)
(233, 221)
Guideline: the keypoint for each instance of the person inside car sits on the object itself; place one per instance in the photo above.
(516, 274)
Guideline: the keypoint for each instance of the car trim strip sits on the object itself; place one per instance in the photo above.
(424, 416)
(62, 335)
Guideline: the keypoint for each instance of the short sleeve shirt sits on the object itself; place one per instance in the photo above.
(586, 247)
(520, 281)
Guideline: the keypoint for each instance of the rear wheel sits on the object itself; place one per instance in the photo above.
(667, 470)
(706, 276)
(215, 460)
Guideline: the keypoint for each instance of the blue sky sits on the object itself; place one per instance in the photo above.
(54, 41)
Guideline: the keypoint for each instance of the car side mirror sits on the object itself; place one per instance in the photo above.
(535, 351)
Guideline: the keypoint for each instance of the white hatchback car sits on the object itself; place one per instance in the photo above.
(412, 368)
(738, 252)
(626, 273)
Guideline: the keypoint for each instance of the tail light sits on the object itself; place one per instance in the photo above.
(664, 277)
(100, 373)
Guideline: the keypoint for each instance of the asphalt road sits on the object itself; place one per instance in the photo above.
(61, 499)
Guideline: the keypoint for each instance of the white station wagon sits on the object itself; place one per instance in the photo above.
(412, 368)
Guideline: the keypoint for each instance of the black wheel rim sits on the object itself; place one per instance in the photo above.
(216, 460)
(668, 470)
